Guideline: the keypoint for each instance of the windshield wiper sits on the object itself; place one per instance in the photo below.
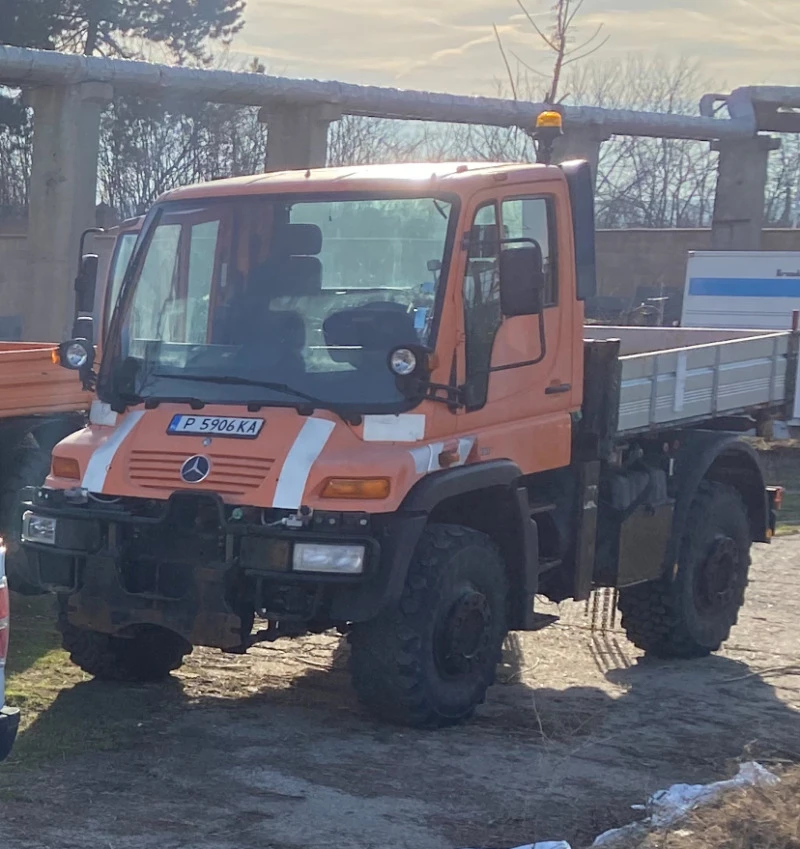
(255, 406)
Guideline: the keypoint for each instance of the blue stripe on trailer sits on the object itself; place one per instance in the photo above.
(746, 287)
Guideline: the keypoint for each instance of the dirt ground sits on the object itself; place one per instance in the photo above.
(272, 751)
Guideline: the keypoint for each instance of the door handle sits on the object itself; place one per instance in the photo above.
(558, 389)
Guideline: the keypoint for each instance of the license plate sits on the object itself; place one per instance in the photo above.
(234, 427)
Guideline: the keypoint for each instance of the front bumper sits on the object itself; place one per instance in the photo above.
(9, 724)
(197, 566)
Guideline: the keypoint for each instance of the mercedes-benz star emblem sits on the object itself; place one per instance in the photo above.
(196, 469)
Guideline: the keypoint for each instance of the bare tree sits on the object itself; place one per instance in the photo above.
(646, 182)
(561, 39)
(356, 140)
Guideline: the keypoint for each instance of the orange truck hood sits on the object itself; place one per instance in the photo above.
(286, 466)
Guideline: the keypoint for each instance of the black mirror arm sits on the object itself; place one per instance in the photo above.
(82, 242)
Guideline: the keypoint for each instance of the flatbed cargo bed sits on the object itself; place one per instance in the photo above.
(675, 376)
(31, 384)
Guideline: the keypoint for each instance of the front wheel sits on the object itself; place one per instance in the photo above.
(691, 613)
(428, 661)
(148, 654)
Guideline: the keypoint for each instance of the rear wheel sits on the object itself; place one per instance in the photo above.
(27, 465)
(428, 661)
(691, 613)
(150, 653)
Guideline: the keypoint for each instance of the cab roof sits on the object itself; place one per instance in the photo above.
(427, 177)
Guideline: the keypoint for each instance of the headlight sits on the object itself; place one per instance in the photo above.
(339, 559)
(41, 529)
(75, 354)
(403, 362)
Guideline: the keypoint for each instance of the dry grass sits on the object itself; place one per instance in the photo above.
(755, 818)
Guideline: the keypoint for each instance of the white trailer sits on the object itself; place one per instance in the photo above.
(752, 290)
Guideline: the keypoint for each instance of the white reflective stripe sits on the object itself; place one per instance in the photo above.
(302, 455)
(426, 457)
(101, 413)
(464, 448)
(94, 478)
(2, 561)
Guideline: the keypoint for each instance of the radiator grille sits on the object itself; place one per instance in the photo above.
(230, 474)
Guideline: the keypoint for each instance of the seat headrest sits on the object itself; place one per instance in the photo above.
(303, 277)
(371, 328)
(297, 240)
(287, 276)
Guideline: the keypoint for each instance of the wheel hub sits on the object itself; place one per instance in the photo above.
(718, 578)
(464, 640)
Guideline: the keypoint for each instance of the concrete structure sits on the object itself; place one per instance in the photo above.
(66, 141)
(656, 259)
(739, 201)
(68, 93)
(581, 143)
(297, 137)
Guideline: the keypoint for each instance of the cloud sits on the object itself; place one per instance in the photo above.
(448, 45)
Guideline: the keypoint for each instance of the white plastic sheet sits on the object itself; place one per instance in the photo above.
(668, 806)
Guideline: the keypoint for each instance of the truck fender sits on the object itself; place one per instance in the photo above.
(725, 458)
(450, 495)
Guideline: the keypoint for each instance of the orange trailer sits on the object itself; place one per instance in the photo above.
(40, 404)
(362, 399)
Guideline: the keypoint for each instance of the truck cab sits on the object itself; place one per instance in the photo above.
(354, 398)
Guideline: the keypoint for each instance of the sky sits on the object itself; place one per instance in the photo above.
(449, 45)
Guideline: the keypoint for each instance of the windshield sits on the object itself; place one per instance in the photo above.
(309, 293)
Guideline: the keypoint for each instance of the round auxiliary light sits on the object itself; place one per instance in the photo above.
(76, 355)
(403, 362)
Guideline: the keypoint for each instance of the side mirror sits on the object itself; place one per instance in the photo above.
(86, 283)
(521, 281)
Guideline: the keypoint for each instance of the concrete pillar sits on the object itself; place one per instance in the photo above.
(580, 143)
(63, 193)
(739, 201)
(297, 136)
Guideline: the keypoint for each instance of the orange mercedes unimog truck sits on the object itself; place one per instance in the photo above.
(361, 398)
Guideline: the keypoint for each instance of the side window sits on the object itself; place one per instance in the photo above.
(532, 218)
(481, 295)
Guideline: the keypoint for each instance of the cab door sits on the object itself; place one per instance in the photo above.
(521, 374)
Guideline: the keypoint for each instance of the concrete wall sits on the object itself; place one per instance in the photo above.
(17, 319)
(627, 260)
(14, 275)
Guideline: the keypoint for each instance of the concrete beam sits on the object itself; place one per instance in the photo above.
(63, 189)
(297, 136)
(739, 202)
(23, 67)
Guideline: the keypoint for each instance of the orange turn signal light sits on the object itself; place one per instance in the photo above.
(66, 467)
(777, 496)
(367, 488)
